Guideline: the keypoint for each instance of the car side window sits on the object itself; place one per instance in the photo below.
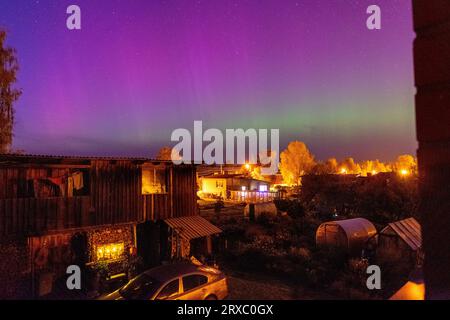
(171, 289)
(193, 281)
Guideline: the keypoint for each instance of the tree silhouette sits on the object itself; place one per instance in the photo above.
(8, 95)
(167, 153)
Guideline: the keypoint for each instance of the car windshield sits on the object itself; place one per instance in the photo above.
(140, 288)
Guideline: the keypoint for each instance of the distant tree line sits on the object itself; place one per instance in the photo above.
(297, 161)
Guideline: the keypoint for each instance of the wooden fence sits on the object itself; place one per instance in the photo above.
(254, 196)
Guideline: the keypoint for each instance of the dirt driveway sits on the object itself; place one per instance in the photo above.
(250, 287)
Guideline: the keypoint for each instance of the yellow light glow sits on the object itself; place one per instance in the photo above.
(374, 172)
(247, 166)
(404, 172)
(343, 171)
(110, 251)
(410, 291)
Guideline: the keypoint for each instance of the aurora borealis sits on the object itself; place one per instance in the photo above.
(139, 69)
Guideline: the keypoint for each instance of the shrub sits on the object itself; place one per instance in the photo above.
(296, 210)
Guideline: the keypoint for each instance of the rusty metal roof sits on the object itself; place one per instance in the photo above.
(192, 227)
(29, 158)
(409, 230)
(75, 157)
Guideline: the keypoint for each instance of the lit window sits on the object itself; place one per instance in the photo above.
(243, 188)
(154, 181)
(263, 188)
(110, 251)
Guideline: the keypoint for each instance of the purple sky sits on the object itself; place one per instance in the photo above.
(139, 69)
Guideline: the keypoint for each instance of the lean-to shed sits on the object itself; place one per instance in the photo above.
(351, 234)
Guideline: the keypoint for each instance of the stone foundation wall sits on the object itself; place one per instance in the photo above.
(14, 269)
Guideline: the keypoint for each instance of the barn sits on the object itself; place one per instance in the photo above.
(350, 235)
(95, 212)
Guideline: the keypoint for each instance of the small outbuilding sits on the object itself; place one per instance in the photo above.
(351, 235)
(400, 244)
(255, 210)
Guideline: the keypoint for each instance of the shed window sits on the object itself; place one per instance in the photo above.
(53, 183)
(154, 181)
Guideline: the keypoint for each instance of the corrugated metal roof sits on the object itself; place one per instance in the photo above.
(11, 157)
(192, 227)
(409, 230)
(76, 157)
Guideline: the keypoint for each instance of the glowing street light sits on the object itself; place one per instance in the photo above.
(343, 171)
(404, 172)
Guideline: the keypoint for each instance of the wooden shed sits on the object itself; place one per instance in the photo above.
(351, 234)
(400, 243)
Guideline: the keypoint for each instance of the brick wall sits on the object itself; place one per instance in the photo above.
(432, 77)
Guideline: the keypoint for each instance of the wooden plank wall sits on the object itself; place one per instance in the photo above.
(156, 206)
(116, 192)
(13, 180)
(115, 197)
(184, 192)
(181, 199)
(30, 216)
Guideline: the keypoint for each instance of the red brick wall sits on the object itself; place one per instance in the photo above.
(432, 75)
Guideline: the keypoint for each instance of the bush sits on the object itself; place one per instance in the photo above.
(282, 204)
(253, 259)
(296, 210)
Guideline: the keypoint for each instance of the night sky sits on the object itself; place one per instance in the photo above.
(139, 69)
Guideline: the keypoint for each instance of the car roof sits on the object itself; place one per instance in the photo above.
(167, 272)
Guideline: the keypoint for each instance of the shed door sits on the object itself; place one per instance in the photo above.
(332, 236)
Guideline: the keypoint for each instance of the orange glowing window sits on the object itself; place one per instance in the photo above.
(110, 251)
(154, 181)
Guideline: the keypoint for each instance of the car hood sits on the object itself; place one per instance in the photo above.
(112, 296)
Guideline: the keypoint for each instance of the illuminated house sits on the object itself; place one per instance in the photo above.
(56, 211)
(228, 185)
(237, 188)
